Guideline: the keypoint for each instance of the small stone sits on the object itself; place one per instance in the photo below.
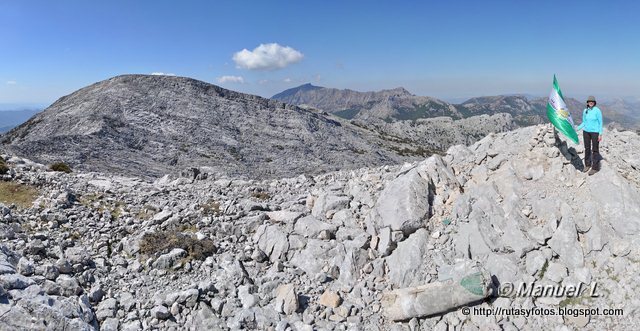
(556, 272)
(621, 248)
(64, 267)
(160, 312)
(171, 260)
(162, 216)
(50, 271)
(286, 301)
(69, 285)
(95, 294)
(109, 324)
(15, 282)
(175, 309)
(583, 275)
(579, 321)
(258, 255)
(246, 297)
(330, 299)
(25, 267)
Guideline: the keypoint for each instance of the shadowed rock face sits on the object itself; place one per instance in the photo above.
(150, 125)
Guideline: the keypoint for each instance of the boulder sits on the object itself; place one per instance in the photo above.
(171, 260)
(273, 241)
(565, 243)
(404, 204)
(286, 301)
(406, 259)
(311, 227)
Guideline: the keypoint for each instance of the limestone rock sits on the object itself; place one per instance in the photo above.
(286, 301)
(330, 299)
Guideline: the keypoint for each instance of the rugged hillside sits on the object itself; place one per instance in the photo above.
(439, 133)
(399, 104)
(151, 125)
(84, 251)
(625, 112)
(388, 105)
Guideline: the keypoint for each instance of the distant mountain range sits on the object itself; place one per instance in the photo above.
(388, 105)
(12, 118)
(399, 104)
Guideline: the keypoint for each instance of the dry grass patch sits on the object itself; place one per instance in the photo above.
(19, 194)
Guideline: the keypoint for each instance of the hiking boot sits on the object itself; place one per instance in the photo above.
(586, 168)
(592, 172)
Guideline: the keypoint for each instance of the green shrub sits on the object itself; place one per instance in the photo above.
(3, 167)
(61, 167)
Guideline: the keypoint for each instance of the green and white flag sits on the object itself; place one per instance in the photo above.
(558, 113)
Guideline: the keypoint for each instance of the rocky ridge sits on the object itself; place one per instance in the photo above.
(392, 104)
(319, 252)
(399, 104)
(146, 126)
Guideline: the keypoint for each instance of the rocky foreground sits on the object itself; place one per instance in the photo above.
(205, 252)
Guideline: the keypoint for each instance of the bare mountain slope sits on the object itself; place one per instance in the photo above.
(150, 125)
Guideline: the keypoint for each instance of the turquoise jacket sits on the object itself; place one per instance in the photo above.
(591, 120)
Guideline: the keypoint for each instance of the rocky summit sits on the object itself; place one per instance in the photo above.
(146, 126)
(94, 250)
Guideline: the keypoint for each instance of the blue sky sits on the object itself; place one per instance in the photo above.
(445, 49)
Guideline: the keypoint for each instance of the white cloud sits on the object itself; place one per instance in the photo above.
(287, 80)
(162, 74)
(263, 81)
(230, 79)
(11, 82)
(267, 57)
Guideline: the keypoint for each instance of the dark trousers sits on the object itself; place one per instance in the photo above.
(591, 152)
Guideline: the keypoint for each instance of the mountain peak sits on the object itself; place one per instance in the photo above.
(147, 125)
(294, 90)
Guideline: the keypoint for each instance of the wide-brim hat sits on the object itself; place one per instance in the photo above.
(591, 98)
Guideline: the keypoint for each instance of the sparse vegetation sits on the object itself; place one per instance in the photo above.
(359, 151)
(261, 195)
(544, 269)
(162, 242)
(60, 167)
(211, 208)
(419, 151)
(573, 301)
(19, 194)
(96, 201)
(146, 212)
(3, 167)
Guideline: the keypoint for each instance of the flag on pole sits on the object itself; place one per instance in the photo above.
(558, 113)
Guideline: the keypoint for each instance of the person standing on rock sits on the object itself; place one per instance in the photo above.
(592, 135)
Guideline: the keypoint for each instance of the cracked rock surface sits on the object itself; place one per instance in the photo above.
(104, 251)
